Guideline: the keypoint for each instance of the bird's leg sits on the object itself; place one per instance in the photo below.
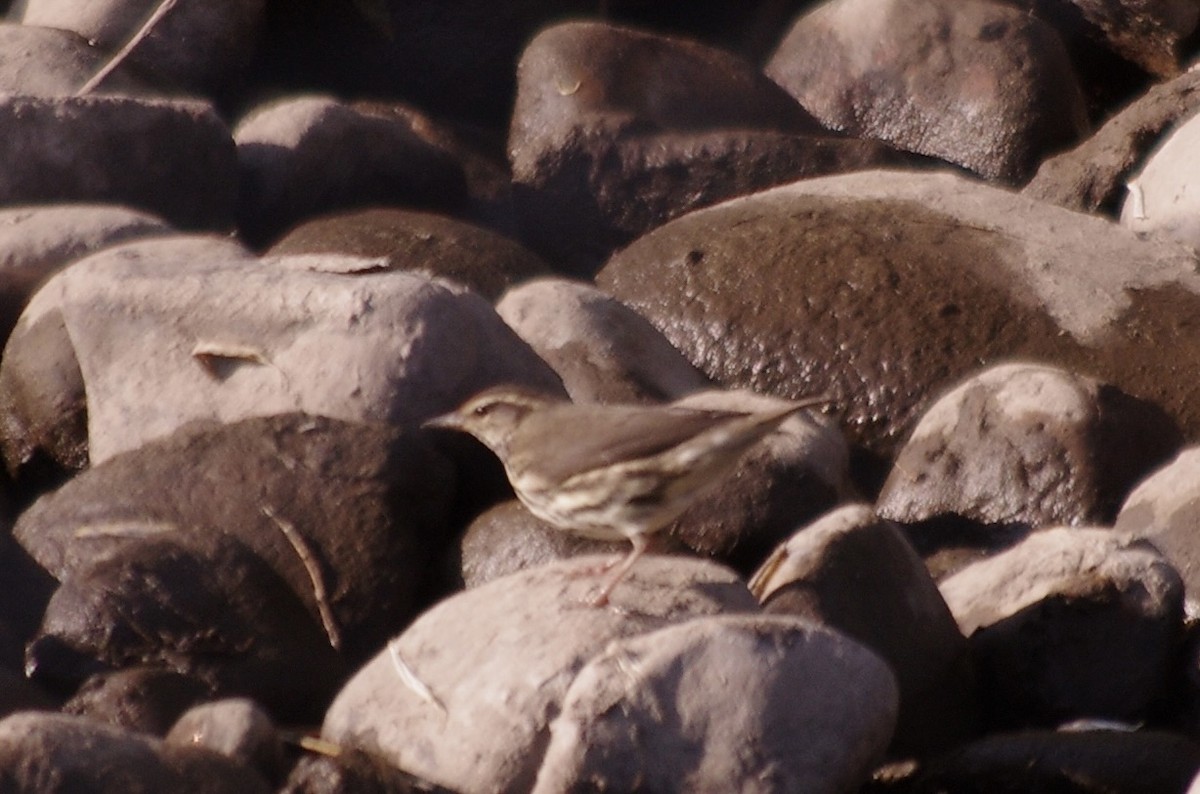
(619, 572)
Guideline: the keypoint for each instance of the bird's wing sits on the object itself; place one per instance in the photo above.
(611, 434)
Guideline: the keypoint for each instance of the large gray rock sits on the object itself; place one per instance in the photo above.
(882, 288)
(1026, 444)
(811, 711)
(160, 345)
(603, 350)
(77, 149)
(1057, 619)
(35, 241)
(43, 400)
(465, 696)
(976, 83)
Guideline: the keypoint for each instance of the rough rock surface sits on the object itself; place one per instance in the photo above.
(1055, 620)
(812, 711)
(1026, 444)
(883, 288)
(464, 697)
(975, 83)
(857, 574)
(1162, 198)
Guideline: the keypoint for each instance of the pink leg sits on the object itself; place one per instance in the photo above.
(619, 572)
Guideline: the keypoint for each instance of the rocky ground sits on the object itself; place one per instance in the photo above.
(248, 246)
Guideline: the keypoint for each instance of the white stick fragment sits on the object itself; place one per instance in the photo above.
(123, 53)
(1137, 201)
(410, 679)
(314, 574)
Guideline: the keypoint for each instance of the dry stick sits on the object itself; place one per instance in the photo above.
(314, 574)
(116, 60)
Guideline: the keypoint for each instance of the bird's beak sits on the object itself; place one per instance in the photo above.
(450, 421)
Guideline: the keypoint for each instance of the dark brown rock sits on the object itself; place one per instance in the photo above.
(1091, 177)
(883, 288)
(1078, 762)
(974, 83)
(362, 503)
(508, 538)
(200, 46)
(54, 752)
(236, 728)
(77, 149)
(431, 244)
(616, 131)
(311, 155)
(201, 604)
(1057, 619)
(857, 574)
(353, 772)
(1026, 444)
(140, 699)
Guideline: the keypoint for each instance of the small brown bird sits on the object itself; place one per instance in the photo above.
(610, 471)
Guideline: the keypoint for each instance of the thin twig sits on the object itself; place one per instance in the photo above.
(123, 53)
(314, 574)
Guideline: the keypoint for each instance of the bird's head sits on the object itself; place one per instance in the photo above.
(493, 415)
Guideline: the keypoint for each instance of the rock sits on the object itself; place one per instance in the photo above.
(1092, 176)
(1161, 197)
(228, 338)
(507, 538)
(76, 149)
(811, 711)
(1164, 509)
(1116, 762)
(465, 695)
(348, 515)
(616, 131)
(55, 752)
(236, 728)
(203, 47)
(200, 604)
(421, 242)
(352, 772)
(140, 699)
(857, 574)
(883, 288)
(601, 349)
(43, 410)
(37, 241)
(1149, 34)
(310, 155)
(975, 83)
(1026, 444)
(48, 61)
(1055, 620)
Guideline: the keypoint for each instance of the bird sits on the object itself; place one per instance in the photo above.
(612, 471)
